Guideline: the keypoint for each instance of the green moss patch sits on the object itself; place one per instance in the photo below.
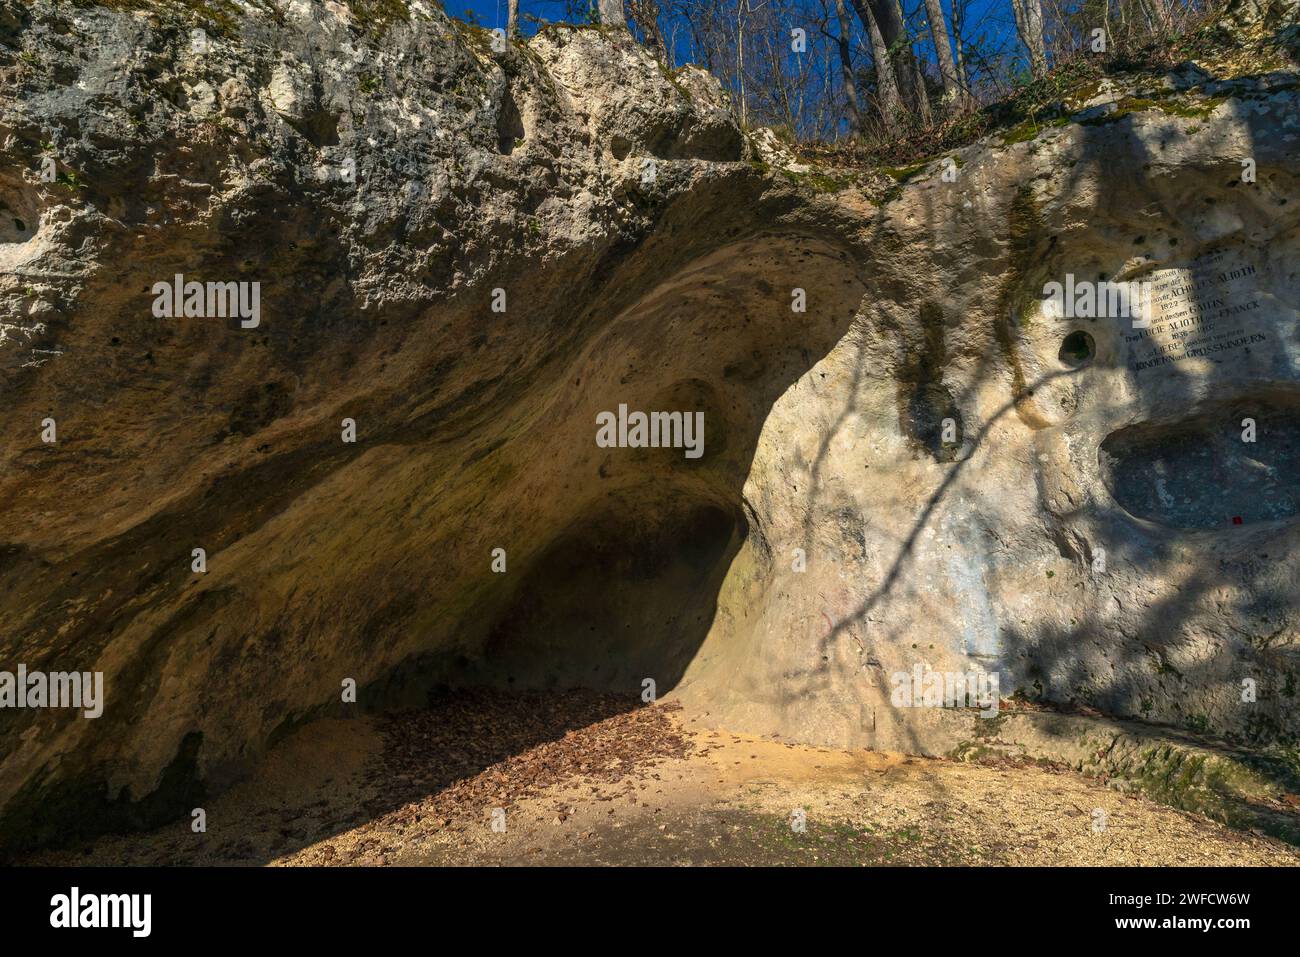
(901, 174)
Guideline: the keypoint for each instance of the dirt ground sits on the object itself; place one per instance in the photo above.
(592, 779)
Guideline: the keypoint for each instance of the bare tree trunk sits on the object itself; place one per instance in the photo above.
(1029, 23)
(943, 50)
(611, 13)
(1034, 19)
(908, 65)
(920, 97)
(740, 62)
(846, 67)
(512, 18)
(1018, 10)
(1161, 14)
(889, 17)
(891, 104)
(645, 14)
(963, 75)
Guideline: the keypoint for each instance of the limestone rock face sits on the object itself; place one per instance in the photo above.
(1099, 527)
(472, 255)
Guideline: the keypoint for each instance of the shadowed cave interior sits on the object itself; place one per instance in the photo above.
(1210, 469)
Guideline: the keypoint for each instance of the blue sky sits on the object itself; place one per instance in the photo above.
(987, 21)
(989, 28)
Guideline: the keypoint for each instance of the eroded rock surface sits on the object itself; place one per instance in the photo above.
(1100, 531)
(971, 481)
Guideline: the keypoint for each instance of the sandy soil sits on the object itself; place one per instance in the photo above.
(593, 780)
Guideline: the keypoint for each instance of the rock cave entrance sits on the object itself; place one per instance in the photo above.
(620, 597)
(627, 585)
(1235, 462)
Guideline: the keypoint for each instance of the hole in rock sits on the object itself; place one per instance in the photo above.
(510, 125)
(623, 596)
(320, 127)
(1200, 473)
(1077, 349)
(19, 215)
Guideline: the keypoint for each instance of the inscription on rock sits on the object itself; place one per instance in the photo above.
(1207, 310)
